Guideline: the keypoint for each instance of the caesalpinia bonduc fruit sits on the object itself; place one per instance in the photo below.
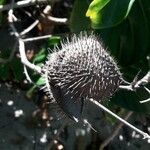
(79, 70)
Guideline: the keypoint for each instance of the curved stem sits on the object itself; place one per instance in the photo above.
(145, 135)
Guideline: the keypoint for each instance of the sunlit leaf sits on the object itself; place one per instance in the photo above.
(40, 81)
(53, 40)
(39, 57)
(93, 11)
(108, 13)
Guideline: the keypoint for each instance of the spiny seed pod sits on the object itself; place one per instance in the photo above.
(81, 69)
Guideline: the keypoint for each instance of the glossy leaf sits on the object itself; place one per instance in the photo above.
(39, 57)
(95, 7)
(54, 40)
(40, 81)
(105, 13)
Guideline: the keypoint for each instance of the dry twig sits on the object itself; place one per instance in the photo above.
(114, 133)
(58, 20)
(145, 135)
(23, 3)
(145, 80)
(24, 59)
(37, 38)
(137, 84)
(46, 14)
(28, 29)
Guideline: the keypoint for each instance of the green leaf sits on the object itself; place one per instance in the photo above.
(95, 7)
(106, 13)
(54, 40)
(40, 81)
(78, 20)
(30, 91)
(39, 57)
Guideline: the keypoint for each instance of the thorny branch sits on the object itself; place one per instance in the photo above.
(137, 84)
(145, 80)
